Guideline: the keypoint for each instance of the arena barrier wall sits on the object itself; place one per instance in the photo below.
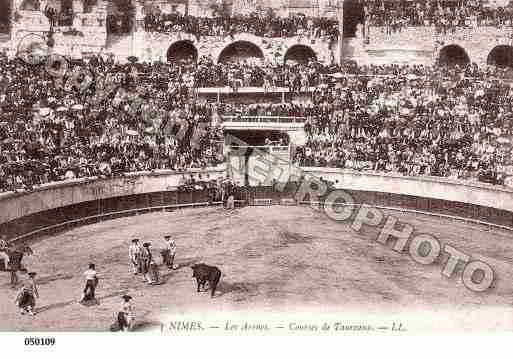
(61, 205)
(476, 201)
(90, 199)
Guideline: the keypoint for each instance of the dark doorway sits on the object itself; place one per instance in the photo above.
(300, 54)
(246, 147)
(453, 55)
(501, 56)
(182, 51)
(240, 51)
(257, 137)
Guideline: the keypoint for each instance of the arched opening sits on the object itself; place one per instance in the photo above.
(182, 51)
(300, 54)
(241, 51)
(354, 14)
(453, 55)
(501, 56)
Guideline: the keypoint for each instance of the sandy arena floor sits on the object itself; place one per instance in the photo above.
(286, 260)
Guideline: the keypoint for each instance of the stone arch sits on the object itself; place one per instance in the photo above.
(300, 54)
(182, 50)
(453, 55)
(501, 55)
(240, 50)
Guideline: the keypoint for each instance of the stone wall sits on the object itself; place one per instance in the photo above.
(423, 44)
(62, 194)
(426, 187)
(87, 34)
(412, 45)
(154, 46)
(58, 203)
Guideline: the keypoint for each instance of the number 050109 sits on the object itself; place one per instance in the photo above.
(39, 341)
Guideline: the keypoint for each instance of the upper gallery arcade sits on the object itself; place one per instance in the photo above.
(170, 29)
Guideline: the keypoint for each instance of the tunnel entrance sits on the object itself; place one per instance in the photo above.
(182, 51)
(501, 56)
(300, 54)
(240, 51)
(452, 55)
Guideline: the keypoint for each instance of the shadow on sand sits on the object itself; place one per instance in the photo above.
(51, 278)
(88, 303)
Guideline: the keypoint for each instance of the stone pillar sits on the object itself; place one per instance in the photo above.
(340, 17)
(12, 10)
(139, 16)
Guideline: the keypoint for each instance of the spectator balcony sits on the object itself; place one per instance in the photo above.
(293, 126)
(263, 119)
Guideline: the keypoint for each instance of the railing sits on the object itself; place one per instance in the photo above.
(275, 149)
(271, 147)
(264, 119)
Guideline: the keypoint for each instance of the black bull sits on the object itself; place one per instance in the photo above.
(205, 273)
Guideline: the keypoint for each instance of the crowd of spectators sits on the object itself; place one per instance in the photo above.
(51, 132)
(445, 16)
(392, 16)
(294, 76)
(287, 109)
(415, 120)
(266, 25)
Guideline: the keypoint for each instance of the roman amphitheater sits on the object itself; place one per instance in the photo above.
(144, 119)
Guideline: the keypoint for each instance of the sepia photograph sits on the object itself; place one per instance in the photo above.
(255, 167)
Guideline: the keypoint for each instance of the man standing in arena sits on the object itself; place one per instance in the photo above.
(91, 283)
(146, 259)
(134, 253)
(171, 247)
(26, 299)
(127, 310)
(4, 246)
